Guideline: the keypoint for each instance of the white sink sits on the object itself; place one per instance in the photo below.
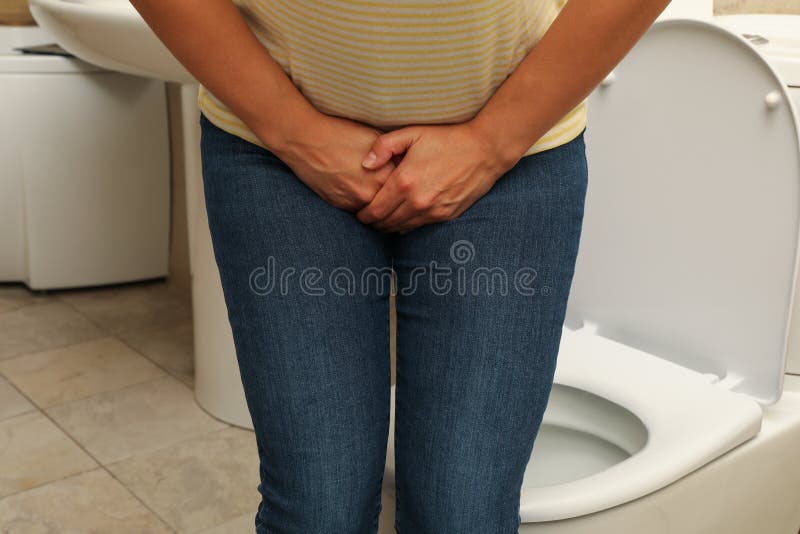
(112, 34)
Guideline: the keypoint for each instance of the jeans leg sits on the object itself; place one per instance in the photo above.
(480, 306)
(311, 342)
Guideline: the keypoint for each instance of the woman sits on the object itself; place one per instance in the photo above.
(346, 142)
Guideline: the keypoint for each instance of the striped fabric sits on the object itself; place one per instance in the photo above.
(392, 63)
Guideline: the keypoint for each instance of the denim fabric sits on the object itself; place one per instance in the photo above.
(480, 304)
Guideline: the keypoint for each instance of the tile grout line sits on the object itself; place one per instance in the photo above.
(41, 410)
(129, 386)
(58, 347)
(116, 335)
(130, 490)
(135, 496)
(54, 299)
(96, 394)
(79, 473)
(159, 366)
(105, 468)
(166, 373)
(54, 347)
(164, 370)
(58, 298)
(34, 407)
(99, 464)
(35, 294)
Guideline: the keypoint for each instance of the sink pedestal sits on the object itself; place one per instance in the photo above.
(217, 384)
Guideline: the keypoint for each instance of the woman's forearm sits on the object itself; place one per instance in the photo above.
(586, 41)
(213, 41)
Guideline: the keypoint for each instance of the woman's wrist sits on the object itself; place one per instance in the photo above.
(288, 129)
(504, 150)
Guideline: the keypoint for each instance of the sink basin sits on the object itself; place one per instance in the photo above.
(111, 34)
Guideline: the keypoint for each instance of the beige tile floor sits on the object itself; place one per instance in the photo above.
(99, 430)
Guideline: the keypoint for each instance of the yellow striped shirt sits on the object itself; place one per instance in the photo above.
(391, 63)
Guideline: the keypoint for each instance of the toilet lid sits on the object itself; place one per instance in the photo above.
(689, 245)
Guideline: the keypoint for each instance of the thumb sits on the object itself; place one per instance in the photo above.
(388, 145)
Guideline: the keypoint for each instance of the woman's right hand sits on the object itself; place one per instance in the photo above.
(327, 158)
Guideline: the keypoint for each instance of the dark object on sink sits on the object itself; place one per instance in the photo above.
(45, 49)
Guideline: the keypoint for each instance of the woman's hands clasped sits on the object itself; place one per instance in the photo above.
(399, 180)
(443, 171)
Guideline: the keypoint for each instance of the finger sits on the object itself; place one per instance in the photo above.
(412, 224)
(415, 222)
(397, 219)
(409, 228)
(385, 201)
(381, 176)
(388, 145)
(428, 217)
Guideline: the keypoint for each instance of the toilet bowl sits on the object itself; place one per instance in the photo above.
(669, 412)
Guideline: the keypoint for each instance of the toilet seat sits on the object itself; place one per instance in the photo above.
(673, 402)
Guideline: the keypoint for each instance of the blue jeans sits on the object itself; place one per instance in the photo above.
(480, 305)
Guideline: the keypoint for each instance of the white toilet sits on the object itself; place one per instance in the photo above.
(670, 413)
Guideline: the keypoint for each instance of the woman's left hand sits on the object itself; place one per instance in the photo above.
(444, 170)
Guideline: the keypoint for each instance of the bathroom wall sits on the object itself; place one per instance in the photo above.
(15, 12)
(179, 238)
(757, 6)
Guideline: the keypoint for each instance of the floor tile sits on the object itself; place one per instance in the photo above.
(133, 420)
(33, 451)
(244, 524)
(92, 502)
(197, 483)
(44, 326)
(171, 348)
(16, 295)
(131, 307)
(12, 402)
(68, 373)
